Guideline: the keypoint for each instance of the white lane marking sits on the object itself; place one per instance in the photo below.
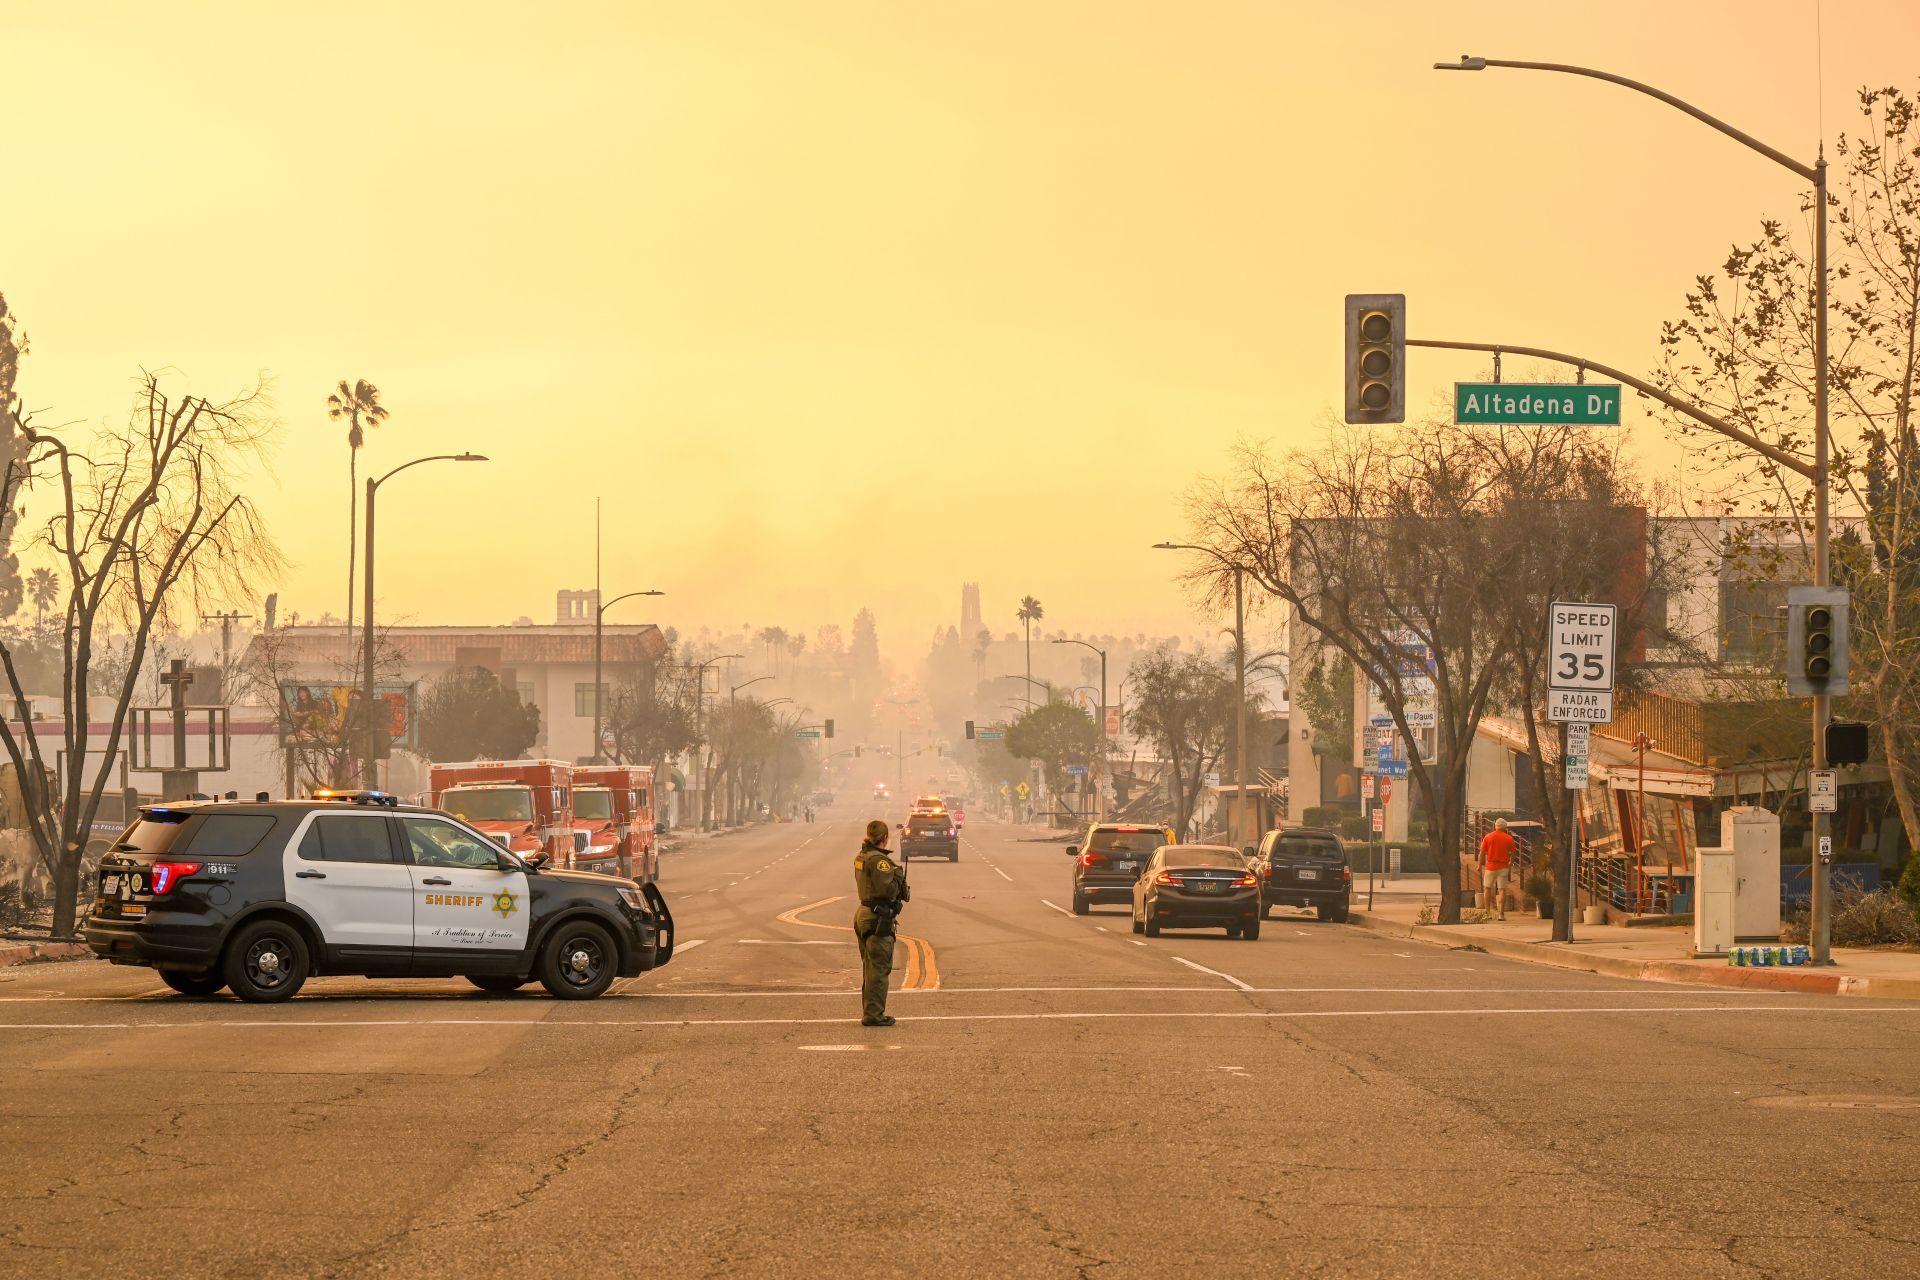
(680, 948)
(1102, 928)
(1215, 972)
(1003, 875)
(1136, 942)
(780, 942)
(1303, 933)
(1276, 1015)
(1062, 910)
(832, 1048)
(358, 988)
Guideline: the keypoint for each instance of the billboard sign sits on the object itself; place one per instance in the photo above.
(322, 715)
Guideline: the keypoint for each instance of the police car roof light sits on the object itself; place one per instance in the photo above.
(358, 797)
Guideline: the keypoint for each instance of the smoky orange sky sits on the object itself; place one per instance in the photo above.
(842, 304)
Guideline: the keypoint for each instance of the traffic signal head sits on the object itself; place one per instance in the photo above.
(856, 751)
(1847, 742)
(829, 728)
(1817, 641)
(969, 731)
(1376, 364)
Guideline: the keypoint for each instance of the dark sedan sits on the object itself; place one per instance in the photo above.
(1197, 886)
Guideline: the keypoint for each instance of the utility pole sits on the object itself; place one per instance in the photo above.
(1816, 472)
(226, 621)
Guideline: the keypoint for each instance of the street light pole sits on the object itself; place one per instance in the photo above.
(1821, 931)
(1105, 746)
(1241, 833)
(370, 753)
(599, 618)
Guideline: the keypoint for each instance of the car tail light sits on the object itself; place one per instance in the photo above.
(1092, 859)
(1167, 877)
(1266, 873)
(168, 874)
(1246, 881)
(1346, 874)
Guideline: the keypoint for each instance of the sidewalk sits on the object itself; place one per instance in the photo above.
(12, 953)
(1648, 954)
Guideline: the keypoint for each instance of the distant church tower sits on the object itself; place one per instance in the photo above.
(971, 623)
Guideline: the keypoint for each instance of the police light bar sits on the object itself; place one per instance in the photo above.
(346, 796)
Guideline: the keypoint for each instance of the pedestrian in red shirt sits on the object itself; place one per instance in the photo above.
(1496, 856)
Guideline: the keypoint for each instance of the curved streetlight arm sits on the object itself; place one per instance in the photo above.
(630, 595)
(744, 683)
(1467, 63)
(438, 457)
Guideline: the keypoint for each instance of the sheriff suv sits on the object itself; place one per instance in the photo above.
(1304, 867)
(260, 896)
(1110, 859)
(930, 835)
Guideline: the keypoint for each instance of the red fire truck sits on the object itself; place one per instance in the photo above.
(522, 803)
(613, 810)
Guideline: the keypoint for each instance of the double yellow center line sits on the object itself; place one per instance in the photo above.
(923, 971)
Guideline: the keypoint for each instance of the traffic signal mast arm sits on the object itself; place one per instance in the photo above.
(1792, 462)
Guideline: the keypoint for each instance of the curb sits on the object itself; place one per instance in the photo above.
(1674, 971)
(27, 953)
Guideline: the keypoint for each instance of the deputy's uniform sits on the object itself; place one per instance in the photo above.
(877, 878)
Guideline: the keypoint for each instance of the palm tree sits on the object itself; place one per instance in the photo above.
(982, 649)
(43, 589)
(360, 406)
(1029, 613)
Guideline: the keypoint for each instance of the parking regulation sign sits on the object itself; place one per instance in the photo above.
(1580, 640)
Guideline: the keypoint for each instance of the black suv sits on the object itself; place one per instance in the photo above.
(930, 835)
(1110, 859)
(1304, 867)
(261, 896)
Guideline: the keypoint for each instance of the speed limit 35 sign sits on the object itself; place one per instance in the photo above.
(1580, 662)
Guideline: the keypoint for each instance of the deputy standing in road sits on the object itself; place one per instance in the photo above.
(1496, 855)
(880, 883)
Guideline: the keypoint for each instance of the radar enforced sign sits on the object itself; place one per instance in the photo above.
(1580, 662)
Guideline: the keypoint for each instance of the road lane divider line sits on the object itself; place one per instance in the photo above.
(1057, 907)
(1215, 972)
(923, 972)
(600, 1024)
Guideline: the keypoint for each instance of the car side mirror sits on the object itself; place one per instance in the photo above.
(1072, 852)
(533, 862)
(899, 826)
(1247, 851)
(660, 828)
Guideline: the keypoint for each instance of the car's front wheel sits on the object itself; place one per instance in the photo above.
(1138, 926)
(193, 984)
(498, 984)
(266, 962)
(578, 962)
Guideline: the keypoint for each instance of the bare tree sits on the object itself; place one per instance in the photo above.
(1744, 347)
(1389, 546)
(1183, 704)
(144, 525)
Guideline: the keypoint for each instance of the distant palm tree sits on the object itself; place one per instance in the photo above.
(43, 589)
(1029, 613)
(982, 649)
(360, 405)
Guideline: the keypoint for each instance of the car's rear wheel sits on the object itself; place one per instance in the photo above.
(954, 856)
(499, 984)
(578, 962)
(193, 984)
(1252, 931)
(1332, 914)
(1266, 912)
(266, 962)
(1234, 931)
(1080, 905)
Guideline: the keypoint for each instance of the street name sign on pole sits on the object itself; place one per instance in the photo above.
(989, 735)
(1550, 404)
(806, 733)
(1580, 662)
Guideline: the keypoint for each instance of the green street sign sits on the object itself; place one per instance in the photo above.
(1488, 404)
(989, 735)
(806, 733)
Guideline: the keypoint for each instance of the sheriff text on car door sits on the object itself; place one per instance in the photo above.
(463, 899)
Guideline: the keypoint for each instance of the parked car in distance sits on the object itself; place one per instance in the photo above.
(1197, 886)
(1304, 867)
(1110, 859)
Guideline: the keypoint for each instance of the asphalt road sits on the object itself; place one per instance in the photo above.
(1059, 1098)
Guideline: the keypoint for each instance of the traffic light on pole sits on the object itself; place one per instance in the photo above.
(969, 731)
(1817, 641)
(1376, 357)
(829, 728)
(856, 751)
